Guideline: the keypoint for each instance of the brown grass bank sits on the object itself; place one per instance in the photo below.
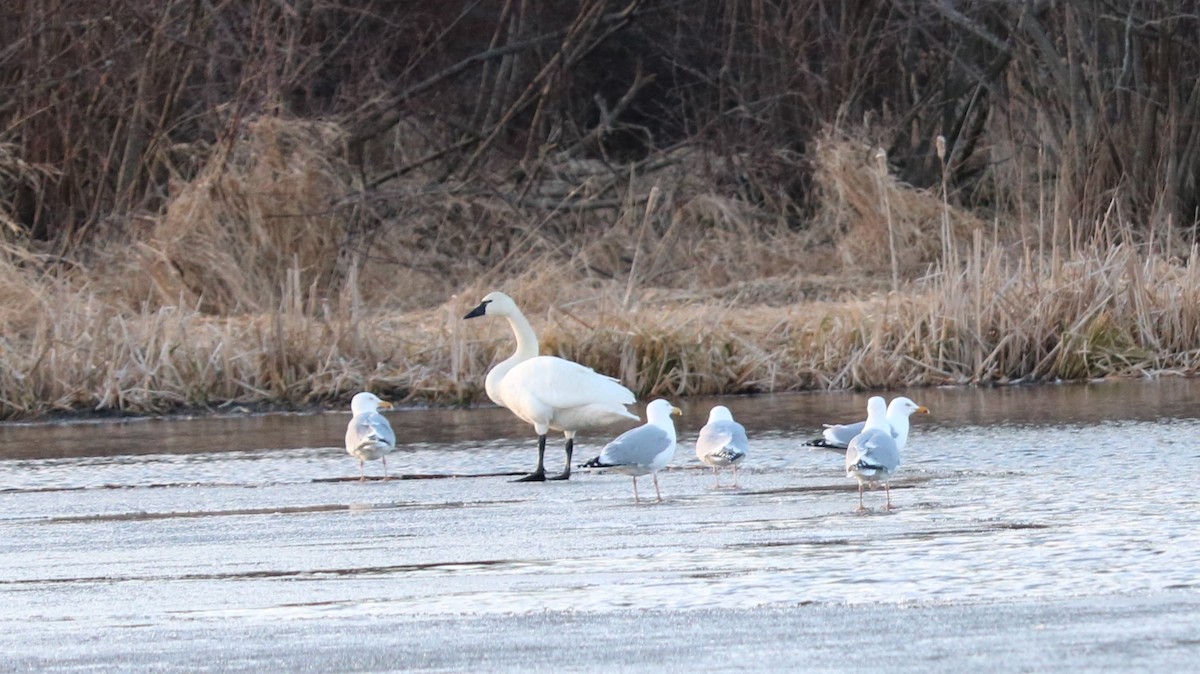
(205, 310)
(283, 204)
(997, 320)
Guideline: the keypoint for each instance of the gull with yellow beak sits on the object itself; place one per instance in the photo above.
(873, 456)
(838, 436)
(644, 450)
(369, 435)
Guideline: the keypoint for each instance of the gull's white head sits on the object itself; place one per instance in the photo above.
(494, 303)
(660, 411)
(904, 407)
(876, 413)
(367, 402)
(719, 413)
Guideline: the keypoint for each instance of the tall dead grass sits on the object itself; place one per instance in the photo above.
(684, 207)
(868, 215)
(258, 217)
(1119, 311)
(226, 298)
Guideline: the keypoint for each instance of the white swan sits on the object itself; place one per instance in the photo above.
(549, 392)
(722, 442)
(838, 436)
(369, 435)
(873, 456)
(644, 450)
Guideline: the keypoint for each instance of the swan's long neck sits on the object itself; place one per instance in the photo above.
(527, 347)
(527, 343)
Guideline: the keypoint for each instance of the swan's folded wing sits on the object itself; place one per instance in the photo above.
(563, 384)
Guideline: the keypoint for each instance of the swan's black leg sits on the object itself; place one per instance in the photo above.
(566, 474)
(539, 473)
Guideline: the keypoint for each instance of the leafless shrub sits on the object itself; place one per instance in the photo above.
(264, 201)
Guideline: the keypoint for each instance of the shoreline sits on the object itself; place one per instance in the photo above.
(252, 410)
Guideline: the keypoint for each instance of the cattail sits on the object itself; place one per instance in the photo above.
(947, 246)
(881, 160)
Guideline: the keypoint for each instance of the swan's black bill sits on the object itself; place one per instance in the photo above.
(478, 311)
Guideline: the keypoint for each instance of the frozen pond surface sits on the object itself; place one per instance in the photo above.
(1045, 528)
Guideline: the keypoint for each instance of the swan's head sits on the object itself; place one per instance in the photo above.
(494, 304)
(367, 402)
(661, 410)
(719, 413)
(904, 407)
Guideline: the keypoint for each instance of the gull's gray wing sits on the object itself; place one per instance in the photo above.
(728, 437)
(841, 434)
(635, 447)
(370, 426)
(838, 436)
(873, 449)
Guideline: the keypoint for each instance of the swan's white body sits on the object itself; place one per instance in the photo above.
(553, 393)
(548, 392)
(369, 436)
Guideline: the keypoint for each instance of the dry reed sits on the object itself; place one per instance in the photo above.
(1093, 313)
(673, 197)
(225, 301)
(864, 210)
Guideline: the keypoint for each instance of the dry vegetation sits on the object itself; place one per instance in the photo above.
(282, 204)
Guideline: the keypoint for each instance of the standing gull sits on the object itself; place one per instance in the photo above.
(873, 456)
(369, 435)
(549, 392)
(646, 449)
(838, 436)
(722, 442)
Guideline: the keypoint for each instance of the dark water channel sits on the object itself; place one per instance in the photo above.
(235, 544)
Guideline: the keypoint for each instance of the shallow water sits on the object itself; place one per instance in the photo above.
(1054, 493)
